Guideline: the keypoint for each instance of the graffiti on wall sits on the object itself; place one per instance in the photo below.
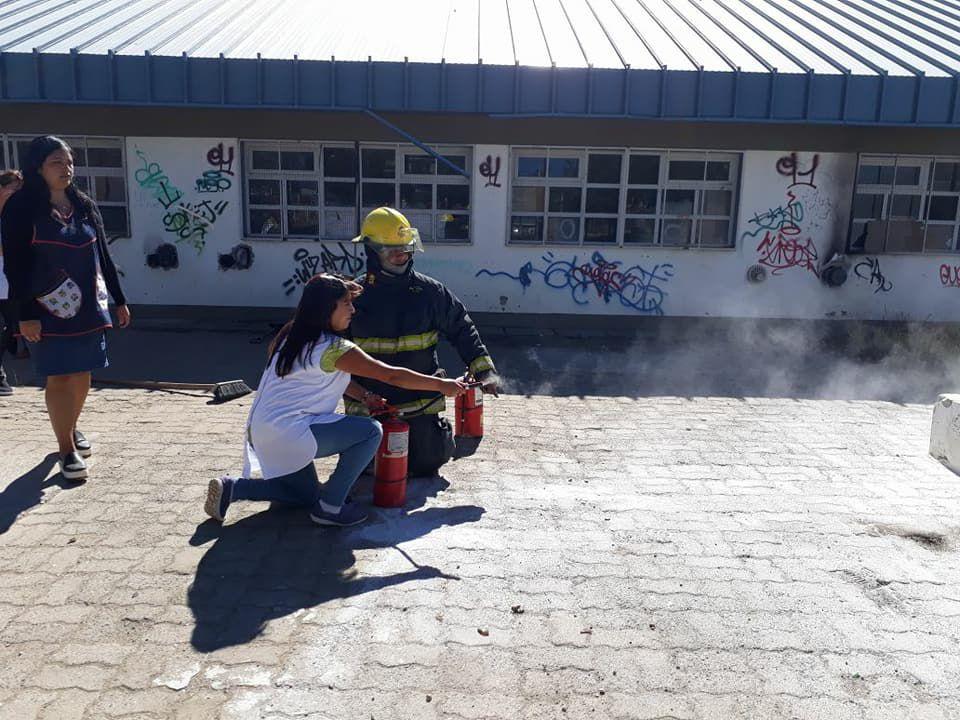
(219, 178)
(192, 220)
(789, 166)
(783, 242)
(343, 260)
(490, 170)
(869, 269)
(950, 275)
(189, 221)
(634, 287)
(782, 246)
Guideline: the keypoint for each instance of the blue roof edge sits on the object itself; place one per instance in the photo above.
(503, 90)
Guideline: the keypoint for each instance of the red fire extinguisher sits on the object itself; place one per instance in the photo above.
(390, 462)
(469, 412)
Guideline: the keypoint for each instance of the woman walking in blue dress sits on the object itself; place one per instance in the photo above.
(60, 273)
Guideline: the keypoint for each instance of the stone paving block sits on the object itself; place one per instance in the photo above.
(105, 654)
(68, 705)
(121, 703)
(20, 662)
(43, 614)
(84, 677)
(51, 634)
(25, 705)
(202, 705)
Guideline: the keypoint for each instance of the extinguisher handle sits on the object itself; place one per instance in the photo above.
(392, 411)
(385, 410)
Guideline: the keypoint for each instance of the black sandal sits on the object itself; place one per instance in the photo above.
(72, 467)
(84, 448)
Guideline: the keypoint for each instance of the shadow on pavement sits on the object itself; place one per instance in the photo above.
(27, 491)
(271, 564)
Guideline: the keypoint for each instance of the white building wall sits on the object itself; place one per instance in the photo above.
(793, 215)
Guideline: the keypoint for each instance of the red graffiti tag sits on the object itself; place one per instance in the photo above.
(780, 253)
(950, 275)
(605, 277)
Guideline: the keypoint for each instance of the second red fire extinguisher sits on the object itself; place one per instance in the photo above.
(390, 464)
(469, 412)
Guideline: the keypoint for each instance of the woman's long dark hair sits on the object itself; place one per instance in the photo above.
(35, 192)
(297, 339)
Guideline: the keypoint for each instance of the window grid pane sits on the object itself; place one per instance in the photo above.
(438, 198)
(313, 190)
(622, 197)
(905, 204)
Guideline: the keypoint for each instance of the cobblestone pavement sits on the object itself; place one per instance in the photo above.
(598, 557)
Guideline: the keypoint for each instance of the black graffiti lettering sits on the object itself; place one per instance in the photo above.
(222, 162)
(789, 166)
(168, 195)
(213, 181)
(341, 260)
(204, 211)
(869, 269)
(490, 169)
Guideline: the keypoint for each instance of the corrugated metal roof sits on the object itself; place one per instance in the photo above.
(857, 50)
(900, 37)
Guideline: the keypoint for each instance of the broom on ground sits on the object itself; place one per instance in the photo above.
(222, 391)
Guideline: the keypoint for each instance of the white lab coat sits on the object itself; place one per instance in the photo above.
(278, 439)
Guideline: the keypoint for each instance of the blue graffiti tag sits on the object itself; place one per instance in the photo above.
(635, 287)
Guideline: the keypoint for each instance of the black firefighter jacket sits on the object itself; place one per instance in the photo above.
(399, 320)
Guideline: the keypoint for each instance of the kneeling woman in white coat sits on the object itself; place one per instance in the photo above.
(294, 418)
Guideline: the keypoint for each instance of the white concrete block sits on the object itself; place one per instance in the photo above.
(945, 431)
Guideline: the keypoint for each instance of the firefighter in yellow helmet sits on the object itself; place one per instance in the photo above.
(400, 318)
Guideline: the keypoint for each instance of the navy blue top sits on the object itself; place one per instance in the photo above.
(60, 270)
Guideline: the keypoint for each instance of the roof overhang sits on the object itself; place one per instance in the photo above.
(507, 90)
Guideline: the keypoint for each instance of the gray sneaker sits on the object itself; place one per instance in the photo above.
(5, 388)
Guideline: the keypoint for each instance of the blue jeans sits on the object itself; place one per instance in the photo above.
(354, 438)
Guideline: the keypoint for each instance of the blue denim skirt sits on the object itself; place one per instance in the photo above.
(66, 355)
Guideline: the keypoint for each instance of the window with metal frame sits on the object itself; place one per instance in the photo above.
(597, 196)
(905, 204)
(312, 190)
(99, 170)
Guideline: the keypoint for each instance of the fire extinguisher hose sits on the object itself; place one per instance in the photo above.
(392, 411)
(439, 396)
(434, 399)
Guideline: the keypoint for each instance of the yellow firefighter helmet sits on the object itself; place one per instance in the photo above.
(387, 229)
